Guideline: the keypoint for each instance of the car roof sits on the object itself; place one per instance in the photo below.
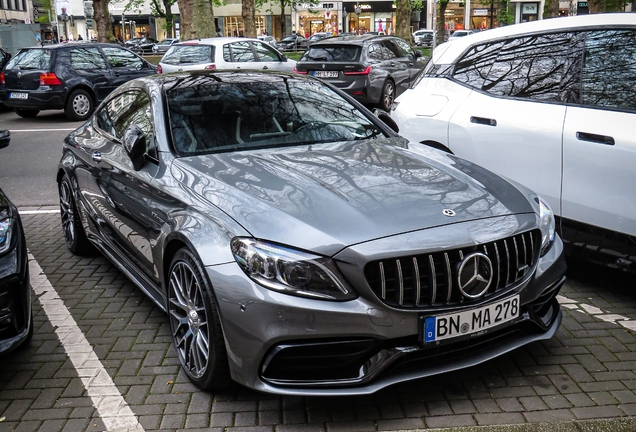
(449, 51)
(216, 41)
(351, 39)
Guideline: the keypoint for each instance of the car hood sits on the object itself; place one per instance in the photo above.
(325, 197)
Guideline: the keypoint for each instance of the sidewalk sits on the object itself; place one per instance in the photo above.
(581, 380)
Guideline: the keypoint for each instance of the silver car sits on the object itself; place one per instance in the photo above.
(164, 45)
(224, 53)
(297, 243)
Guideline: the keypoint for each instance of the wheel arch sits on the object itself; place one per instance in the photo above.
(82, 86)
(437, 145)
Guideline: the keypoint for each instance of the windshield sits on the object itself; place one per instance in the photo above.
(180, 54)
(35, 58)
(279, 111)
(343, 53)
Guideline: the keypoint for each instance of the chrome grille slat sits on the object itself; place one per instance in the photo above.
(417, 282)
(397, 285)
(400, 281)
(433, 280)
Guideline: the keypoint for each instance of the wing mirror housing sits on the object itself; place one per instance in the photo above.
(386, 119)
(135, 145)
(5, 138)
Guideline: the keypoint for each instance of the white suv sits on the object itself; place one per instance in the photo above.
(550, 104)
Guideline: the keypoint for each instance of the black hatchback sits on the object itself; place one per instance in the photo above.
(373, 69)
(74, 77)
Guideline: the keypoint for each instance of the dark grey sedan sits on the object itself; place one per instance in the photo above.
(297, 243)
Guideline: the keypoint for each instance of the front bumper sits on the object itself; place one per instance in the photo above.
(289, 345)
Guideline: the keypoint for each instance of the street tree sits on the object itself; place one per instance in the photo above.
(159, 8)
(197, 18)
(403, 10)
(248, 11)
(101, 17)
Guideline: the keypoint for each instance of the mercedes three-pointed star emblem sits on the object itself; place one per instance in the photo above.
(475, 275)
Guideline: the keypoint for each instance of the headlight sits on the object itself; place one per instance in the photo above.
(547, 226)
(289, 271)
(6, 227)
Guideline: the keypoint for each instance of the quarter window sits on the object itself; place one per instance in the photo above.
(609, 69)
(375, 53)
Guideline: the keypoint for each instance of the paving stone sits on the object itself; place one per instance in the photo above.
(597, 412)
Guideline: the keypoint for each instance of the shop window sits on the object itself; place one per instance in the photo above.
(609, 70)
(529, 67)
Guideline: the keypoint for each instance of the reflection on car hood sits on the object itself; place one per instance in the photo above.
(327, 196)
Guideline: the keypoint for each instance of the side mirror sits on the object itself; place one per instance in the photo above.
(5, 138)
(135, 145)
(283, 57)
(386, 118)
(418, 53)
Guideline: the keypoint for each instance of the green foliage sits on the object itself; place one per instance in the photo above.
(43, 9)
(417, 5)
(505, 16)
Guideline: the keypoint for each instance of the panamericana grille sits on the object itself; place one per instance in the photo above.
(429, 280)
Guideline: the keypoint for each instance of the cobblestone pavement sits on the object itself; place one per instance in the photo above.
(585, 372)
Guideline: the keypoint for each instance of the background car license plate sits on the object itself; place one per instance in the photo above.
(326, 74)
(14, 95)
(463, 323)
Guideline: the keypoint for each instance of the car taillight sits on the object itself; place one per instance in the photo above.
(49, 79)
(159, 69)
(296, 71)
(210, 67)
(1, 78)
(367, 71)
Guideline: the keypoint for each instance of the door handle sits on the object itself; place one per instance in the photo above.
(97, 156)
(483, 121)
(598, 139)
(392, 64)
(116, 73)
(265, 67)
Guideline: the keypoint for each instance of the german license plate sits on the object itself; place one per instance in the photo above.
(447, 326)
(326, 74)
(14, 95)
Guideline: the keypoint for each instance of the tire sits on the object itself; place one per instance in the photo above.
(79, 105)
(74, 234)
(388, 95)
(26, 113)
(195, 325)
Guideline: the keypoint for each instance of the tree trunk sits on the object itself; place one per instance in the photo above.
(167, 4)
(403, 19)
(597, 6)
(248, 10)
(197, 19)
(441, 32)
(554, 8)
(101, 17)
(283, 31)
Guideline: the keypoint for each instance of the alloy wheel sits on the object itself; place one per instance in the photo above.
(189, 319)
(388, 95)
(68, 214)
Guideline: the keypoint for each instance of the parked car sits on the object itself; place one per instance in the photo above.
(224, 53)
(297, 243)
(4, 58)
(132, 42)
(551, 105)
(290, 43)
(460, 33)
(372, 69)
(268, 39)
(143, 45)
(315, 38)
(164, 45)
(424, 37)
(74, 77)
(16, 316)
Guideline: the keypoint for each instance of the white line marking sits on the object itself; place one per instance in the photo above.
(41, 130)
(33, 212)
(112, 408)
(596, 312)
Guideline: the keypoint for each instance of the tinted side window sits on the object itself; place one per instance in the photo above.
(392, 50)
(474, 67)
(87, 59)
(189, 54)
(125, 110)
(530, 67)
(242, 52)
(609, 70)
(404, 47)
(375, 53)
(118, 57)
